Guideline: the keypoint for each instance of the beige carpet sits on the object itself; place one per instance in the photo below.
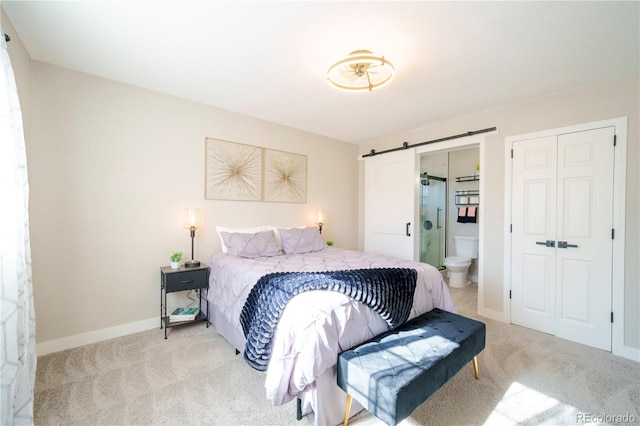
(194, 378)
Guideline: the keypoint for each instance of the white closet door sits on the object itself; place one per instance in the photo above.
(533, 276)
(584, 254)
(390, 200)
(562, 218)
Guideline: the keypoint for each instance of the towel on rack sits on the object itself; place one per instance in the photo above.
(462, 214)
(471, 214)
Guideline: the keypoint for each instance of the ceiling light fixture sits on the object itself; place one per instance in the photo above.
(361, 70)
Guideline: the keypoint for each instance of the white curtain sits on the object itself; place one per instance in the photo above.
(17, 338)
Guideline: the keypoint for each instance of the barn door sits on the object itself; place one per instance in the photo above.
(562, 219)
(390, 203)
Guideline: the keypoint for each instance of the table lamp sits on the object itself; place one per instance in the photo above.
(320, 219)
(192, 222)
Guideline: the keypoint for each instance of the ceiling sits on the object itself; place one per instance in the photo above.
(269, 59)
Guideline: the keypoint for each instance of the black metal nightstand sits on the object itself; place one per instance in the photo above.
(172, 280)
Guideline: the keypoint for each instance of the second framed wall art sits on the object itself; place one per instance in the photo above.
(240, 172)
(285, 177)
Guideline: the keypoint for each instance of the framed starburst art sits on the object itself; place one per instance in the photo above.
(285, 177)
(233, 171)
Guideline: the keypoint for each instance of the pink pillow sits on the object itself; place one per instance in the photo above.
(301, 240)
(252, 230)
(260, 244)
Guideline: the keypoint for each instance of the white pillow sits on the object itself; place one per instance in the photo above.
(253, 230)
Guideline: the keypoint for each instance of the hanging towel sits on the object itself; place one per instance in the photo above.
(462, 214)
(471, 214)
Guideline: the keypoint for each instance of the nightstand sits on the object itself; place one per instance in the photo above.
(183, 279)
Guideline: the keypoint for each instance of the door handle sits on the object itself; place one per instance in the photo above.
(564, 244)
(548, 243)
(407, 229)
(438, 226)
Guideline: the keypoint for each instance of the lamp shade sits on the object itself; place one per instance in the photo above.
(320, 216)
(191, 218)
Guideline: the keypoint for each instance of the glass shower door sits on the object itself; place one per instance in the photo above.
(432, 217)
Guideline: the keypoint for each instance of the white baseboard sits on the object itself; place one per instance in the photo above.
(627, 352)
(492, 314)
(69, 342)
(624, 351)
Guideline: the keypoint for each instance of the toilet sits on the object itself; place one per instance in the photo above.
(465, 249)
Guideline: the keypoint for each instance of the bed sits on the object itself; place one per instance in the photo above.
(315, 326)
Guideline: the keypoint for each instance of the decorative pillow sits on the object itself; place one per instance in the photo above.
(301, 240)
(260, 244)
(276, 230)
(253, 230)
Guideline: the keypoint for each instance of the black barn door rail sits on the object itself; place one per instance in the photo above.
(406, 145)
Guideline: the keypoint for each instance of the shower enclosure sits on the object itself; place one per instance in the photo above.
(433, 215)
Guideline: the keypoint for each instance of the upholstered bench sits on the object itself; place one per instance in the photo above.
(395, 372)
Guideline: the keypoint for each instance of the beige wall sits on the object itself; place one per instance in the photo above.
(111, 168)
(604, 101)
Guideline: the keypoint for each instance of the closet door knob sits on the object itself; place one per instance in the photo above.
(548, 243)
(407, 229)
(564, 244)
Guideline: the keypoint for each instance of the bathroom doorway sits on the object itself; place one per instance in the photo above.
(443, 174)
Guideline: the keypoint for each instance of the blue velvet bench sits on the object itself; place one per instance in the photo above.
(395, 372)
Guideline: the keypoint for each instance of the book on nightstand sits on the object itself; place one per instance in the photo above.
(183, 314)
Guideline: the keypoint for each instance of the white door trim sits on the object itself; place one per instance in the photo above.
(461, 143)
(619, 209)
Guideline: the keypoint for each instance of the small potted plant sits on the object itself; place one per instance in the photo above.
(175, 258)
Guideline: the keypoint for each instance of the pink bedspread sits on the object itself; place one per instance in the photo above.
(315, 326)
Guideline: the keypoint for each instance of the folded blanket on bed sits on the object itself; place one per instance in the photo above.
(387, 291)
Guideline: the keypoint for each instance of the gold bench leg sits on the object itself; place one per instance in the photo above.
(345, 422)
(475, 367)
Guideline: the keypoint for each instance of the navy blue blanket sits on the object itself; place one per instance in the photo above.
(388, 291)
